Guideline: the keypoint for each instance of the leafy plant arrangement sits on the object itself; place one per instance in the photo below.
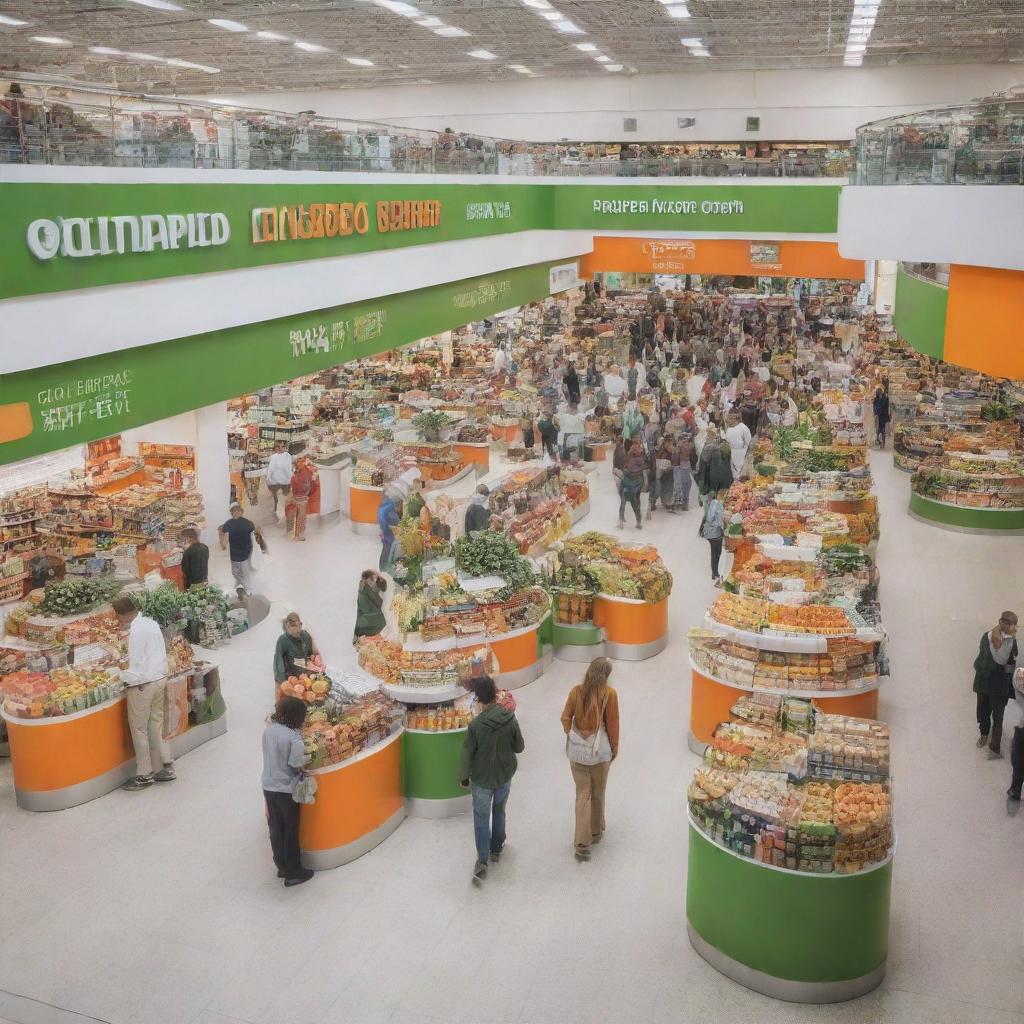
(203, 596)
(993, 411)
(163, 605)
(429, 424)
(486, 553)
(72, 595)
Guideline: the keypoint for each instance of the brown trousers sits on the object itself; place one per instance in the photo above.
(591, 781)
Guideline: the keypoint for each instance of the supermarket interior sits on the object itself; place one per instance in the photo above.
(406, 409)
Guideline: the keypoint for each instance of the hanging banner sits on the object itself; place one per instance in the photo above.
(71, 403)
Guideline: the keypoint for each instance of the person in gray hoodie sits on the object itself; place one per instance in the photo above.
(488, 763)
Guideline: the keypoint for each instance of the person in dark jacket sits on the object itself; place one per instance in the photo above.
(294, 649)
(195, 560)
(488, 763)
(370, 604)
(46, 567)
(880, 407)
(714, 470)
(993, 676)
(571, 380)
(478, 513)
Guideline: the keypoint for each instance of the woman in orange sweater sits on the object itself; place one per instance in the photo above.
(591, 724)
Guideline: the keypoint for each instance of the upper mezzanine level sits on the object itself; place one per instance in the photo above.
(46, 123)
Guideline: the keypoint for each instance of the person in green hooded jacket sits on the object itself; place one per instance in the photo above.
(370, 604)
(488, 763)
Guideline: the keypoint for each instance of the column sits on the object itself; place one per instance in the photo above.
(213, 467)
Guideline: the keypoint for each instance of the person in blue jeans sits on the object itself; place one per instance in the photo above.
(388, 516)
(488, 763)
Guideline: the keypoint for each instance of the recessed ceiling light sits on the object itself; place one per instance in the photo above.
(7, 20)
(552, 15)
(520, 69)
(52, 40)
(275, 37)
(451, 32)
(692, 41)
(399, 7)
(856, 47)
(602, 59)
(612, 67)
(430, 22)
(106, 51)
(700, 53)
(569, 28)
(360, 62)
(677, 10)
(482, 54)
(586, 47)
(228, 24)
(157, 5)
(537, 5)
(310, 47)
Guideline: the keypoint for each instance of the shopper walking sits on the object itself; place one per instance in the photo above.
(714, 470)
(548, 433)
(682, 473)
(590, 719)
(880, 407)
(488, 763)
(195, 559)
(388, 516)
(632, 483)
(993, 672)
(294, 649)
(712, 529)
(739, 437)
(145, 681)
(302, 484)
(237, 535)
(284, 755)
(46, 567)
(370, 619)
(632, 376)
(571, 381)
(279, 473)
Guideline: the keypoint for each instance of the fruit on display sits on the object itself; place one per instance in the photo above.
(394, 666)
(618, 570)
(334, 734)
(313, 689)
(63, 691)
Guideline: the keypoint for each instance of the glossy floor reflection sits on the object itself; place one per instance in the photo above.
(162, 907)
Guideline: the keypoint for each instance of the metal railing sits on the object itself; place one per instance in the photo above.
(976, 144)
(51, 126)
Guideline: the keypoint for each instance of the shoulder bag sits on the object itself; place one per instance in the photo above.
(305, 790)
(595, 750)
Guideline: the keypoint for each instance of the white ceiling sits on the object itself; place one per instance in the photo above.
(640, 35)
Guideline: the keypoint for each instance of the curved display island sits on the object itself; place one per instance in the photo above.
(971, 493)
(634, 630)
(358, 805)
(793, 935)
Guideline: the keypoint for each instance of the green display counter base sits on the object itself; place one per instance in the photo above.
(779, 988)
(416, 807)
(430, 767)
(580, 643)
(999, 521)
(802, 937)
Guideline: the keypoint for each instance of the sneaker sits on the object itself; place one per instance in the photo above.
(639, 526)
(166, 774)
(479, 872)
(495, 856)
(1012, 803)
(582, 853)
(995, 755)
(982, 742)
(303, 876)
(139, 782)
(597, 838)
(280, 873)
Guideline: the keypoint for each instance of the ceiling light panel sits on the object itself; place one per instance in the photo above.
(451, 32)
(52, 40)
(586, 47)
(158, 5)
(482, 54)
(6, 19)
(310, 47)
(274, 37)
(677, 10)
(228, 25)
(360, 62)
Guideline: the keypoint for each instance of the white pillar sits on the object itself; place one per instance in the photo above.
(885, 285)
(213, 466)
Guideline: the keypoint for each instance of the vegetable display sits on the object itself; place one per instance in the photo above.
(486, 553)
(618, 570)
(72, 595)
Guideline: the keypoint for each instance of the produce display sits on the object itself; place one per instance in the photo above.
(762, 792)
(71, 595)
(487, 553)
(618, 570)
(972, 481)
(341, 729)
(62, 691)
(446, 717)
(396, 666)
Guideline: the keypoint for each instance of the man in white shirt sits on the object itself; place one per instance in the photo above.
(145, 685)
(279, 472)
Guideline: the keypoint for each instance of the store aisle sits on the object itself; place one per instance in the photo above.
(162, 907)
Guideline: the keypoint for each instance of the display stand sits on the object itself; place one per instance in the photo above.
(364, 502)
(793, 935)
(634, 630)
(67, 760)
(581, 510)
(477, 453)
(330, 487)
(431, 485)
(967, 519)
(519, 654)
(580, 642)
(507, 432)
(430, 760)
(358, 805)
(712, 699)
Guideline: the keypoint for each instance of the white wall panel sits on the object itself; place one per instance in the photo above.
(980, 225)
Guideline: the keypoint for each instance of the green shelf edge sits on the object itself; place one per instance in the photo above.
(430, 764)
(964, 517)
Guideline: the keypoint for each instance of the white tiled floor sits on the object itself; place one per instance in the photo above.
(162, 907)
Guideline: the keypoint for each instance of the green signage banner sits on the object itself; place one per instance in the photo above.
(746, 208)
(60, 236)
(54, 407)
(56, 237)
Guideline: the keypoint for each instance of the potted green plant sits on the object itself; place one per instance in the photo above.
(429, 424)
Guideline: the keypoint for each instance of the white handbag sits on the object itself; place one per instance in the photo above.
(595, 750)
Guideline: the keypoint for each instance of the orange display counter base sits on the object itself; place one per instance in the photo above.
(518, 657)
(634, 631)
(359, 803)
(711, 702)
(508, 434)
(364, 503)
(477, 453)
